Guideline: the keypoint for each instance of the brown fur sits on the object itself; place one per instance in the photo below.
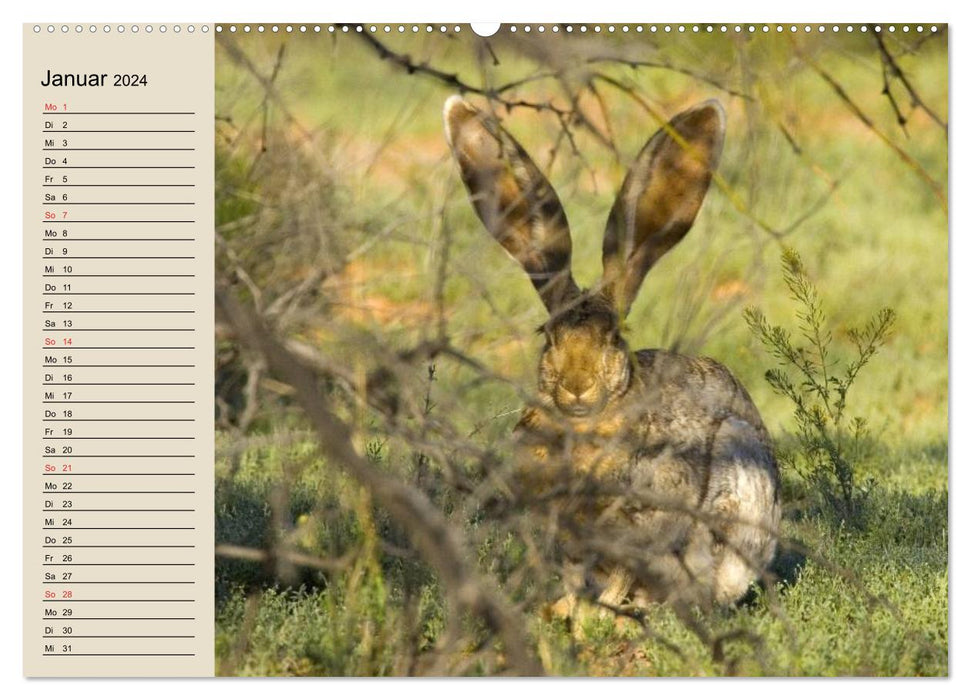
(671, 484)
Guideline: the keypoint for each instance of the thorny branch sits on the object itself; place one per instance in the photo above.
(453, 81)
(935, 186)
(893, 68)
(271, 93)
(666, 65)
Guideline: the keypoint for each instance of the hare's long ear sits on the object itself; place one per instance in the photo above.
(660, 198)
(515, 202)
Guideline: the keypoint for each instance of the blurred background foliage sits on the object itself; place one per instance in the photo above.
(341, 218)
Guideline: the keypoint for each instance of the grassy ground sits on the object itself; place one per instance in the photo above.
(871, 232)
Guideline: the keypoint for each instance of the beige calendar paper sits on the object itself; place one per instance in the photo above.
(525, 349)
(118, 274)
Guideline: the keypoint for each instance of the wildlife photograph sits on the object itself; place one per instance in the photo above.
(581, 350)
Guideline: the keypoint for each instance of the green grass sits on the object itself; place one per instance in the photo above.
(870, 602)
(865, 604)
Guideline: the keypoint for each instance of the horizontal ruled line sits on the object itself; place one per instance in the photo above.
(118, 384)
(118, 275)
(123, 583)
(119, 257)
(73, 564)
(122, 401)
(52, 240)
(118, 528)
(113, 330)
(121, 311)
(125, 617)
(119, 294)
(143, 456)
(130, 184)
(119, 510)
(113, 204)
(118, 131)
(116, 636)
(119, 546)
(72, 491)
(117, 113)
(116, 618)
(119, 167)
(118, 149)
(120, 221)
(72, 366)
(126, 600)
(48, 601)
(107, 654)
(75, 474)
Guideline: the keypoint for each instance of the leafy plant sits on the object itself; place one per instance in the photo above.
(828, 438)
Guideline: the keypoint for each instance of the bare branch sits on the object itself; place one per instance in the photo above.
(664, 65)
(438, 542)
(891, 65)
(232, 551)
(935, 186)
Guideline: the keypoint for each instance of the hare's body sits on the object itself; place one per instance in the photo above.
(684, 459)
(662, 470)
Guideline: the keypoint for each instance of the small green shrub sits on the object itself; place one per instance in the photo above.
(829, 440)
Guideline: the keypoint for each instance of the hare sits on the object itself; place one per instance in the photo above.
(687, 507)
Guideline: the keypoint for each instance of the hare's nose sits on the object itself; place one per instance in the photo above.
(576, 390)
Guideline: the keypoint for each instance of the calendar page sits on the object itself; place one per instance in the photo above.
(437, 349)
